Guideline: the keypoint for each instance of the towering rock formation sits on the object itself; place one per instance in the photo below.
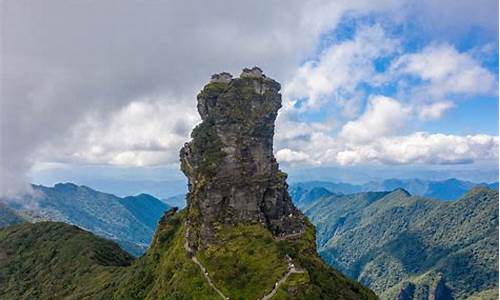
(239, 238)
(233, 175)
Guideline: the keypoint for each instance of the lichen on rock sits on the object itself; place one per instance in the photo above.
(233, 175)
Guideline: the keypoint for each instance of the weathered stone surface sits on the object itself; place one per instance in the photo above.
(233, 175)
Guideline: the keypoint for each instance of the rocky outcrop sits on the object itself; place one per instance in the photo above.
(233, 175)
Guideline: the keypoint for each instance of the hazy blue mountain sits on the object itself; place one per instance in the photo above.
(411, 247)
(130, 221)
(363, 174)
(145, 208)
(493, 185)
(449, 189)
(158, 188)
(8, 216)
(445, 190)
(304, 197)
(298, 188)
(176, 201)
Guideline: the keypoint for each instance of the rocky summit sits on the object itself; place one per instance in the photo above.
(233, 175)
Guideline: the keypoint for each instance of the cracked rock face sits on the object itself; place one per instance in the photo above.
(233, 175)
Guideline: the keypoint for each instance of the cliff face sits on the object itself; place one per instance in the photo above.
(233, 175)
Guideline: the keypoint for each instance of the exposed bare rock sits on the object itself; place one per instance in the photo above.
(233, 175)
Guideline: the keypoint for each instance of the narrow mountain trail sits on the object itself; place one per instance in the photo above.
(291, 270)
(202, 268)
(289, 236)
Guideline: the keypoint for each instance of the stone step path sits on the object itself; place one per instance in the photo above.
(291, 270)
(289, 236)
(202, 268)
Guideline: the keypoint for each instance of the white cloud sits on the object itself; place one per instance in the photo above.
(143, 133)
(421, 147)
(415, 148)
(445, 71)
(378, 136)
(293, 157)
(434, 111)
(384, 116)
(339, 70)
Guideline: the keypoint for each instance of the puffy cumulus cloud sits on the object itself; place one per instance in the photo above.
(292, 157)
(415, 148)
(421, 147)
(446, 71)
(143, 133)
(340, 69)
(384, 116)
(378, 135)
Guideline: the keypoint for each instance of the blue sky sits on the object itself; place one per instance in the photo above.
(474, 113)
(398, 85)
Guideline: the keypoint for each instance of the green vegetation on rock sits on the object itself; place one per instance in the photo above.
(165, 271)
(245, 261)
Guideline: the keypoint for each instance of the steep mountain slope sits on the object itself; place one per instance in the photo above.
(130, 221)
(446, 190)
(303, 197)
(147, 209)
(409, 247)
(50, 260)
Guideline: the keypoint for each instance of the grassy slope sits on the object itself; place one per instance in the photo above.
(48, 260)
(165, 271)
(55, 260)
(324, 282)
(245, 264)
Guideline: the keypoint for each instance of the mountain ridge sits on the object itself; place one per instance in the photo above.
(385, 240)
(445, 190)
(126, 220)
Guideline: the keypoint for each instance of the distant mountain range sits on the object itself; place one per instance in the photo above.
(131, 221)
(401, 246)
(158, 188)
(409, 247)
(446, 190)
(177, 201)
